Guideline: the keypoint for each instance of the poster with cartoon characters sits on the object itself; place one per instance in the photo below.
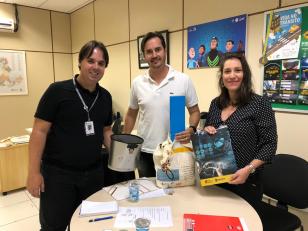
(207, 43)
(13, 77)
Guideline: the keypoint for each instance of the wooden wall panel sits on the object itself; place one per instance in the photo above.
(61, 32)
(63, 66)
(17, 111)
(82, 27)
(111, 21)
(155, 15)
(117, 76)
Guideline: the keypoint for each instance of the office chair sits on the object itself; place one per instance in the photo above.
(203, 118)
(285, 180)
(116, 126)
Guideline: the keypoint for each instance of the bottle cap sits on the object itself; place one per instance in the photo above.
(142, 223)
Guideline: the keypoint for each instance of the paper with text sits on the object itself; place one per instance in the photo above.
(159, 216)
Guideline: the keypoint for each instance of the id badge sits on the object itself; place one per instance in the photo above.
(89, 128)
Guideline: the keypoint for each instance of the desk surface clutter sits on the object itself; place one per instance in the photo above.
(166, 211)
(13, 140)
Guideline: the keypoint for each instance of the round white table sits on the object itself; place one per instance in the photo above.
(210, 200)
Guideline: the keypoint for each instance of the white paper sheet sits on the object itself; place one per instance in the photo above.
(91, 208)
(157, 193)
(159, 216)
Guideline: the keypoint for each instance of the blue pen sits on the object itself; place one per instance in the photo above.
(101, 218)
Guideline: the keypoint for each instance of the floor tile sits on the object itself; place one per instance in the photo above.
(28, 194)
(36, 202)
(28, 224)
(17, 212)
(13, 197)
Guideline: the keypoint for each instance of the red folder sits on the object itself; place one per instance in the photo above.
(199, 222)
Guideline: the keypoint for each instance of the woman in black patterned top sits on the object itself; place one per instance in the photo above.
(251, 123)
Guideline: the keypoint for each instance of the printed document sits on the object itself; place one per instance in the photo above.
(159, 216)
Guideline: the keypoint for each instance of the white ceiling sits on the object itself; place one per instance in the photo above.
(66, 6)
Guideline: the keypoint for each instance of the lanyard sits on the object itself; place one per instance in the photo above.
(85, 107)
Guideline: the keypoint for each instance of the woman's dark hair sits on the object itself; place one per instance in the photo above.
(245, 91)
(151, 35)
(87, 50)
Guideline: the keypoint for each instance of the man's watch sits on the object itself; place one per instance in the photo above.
(193, 127)
(252, 168)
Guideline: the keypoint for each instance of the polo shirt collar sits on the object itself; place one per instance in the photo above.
(170, 75)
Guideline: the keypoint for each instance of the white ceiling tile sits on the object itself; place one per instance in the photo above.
(67, 6)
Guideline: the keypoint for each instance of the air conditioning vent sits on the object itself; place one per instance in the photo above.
(7, 25)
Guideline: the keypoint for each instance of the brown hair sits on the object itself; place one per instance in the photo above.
(245, 91)
(87, 50)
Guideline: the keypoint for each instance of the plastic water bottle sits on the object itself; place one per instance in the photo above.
(134, 191)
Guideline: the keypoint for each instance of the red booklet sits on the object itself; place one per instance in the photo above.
(199, 222)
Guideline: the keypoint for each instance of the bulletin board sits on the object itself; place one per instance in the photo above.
(285, 59)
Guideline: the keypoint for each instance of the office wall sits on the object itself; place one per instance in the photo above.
(51, 54)
(45, 36)
(118, 23)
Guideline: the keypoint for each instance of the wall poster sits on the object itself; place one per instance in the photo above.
(13, 74)
(285, 80)
(208, 42)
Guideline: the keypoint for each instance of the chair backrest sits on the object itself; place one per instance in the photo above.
(203, 118)
(116, 127)
(286, 180)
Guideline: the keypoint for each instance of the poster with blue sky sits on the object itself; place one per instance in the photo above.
(284, 35)
(208, 42)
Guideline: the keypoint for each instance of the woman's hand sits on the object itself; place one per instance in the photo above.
(240, 176)
(210, 130)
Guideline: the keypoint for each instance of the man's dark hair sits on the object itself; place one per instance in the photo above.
(231, 41)
(151, 35)
(87, 50)
(245, 91)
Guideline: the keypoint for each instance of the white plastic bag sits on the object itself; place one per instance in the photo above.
(174, 164)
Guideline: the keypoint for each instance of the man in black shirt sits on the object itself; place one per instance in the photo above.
(72, 121)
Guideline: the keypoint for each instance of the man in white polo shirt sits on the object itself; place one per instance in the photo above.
(150, 96)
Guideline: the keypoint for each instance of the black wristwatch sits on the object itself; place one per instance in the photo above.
(193, 127)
